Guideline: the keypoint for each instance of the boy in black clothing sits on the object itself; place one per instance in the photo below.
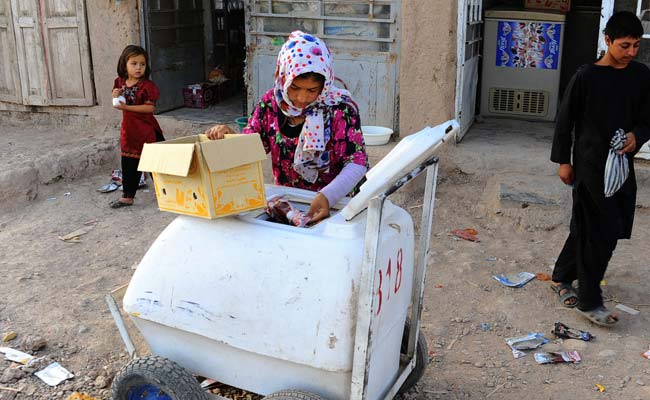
(602, 97)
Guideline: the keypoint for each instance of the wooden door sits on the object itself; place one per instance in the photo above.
(31, 54)
(9, 76)
(52, 51)
(67, 52)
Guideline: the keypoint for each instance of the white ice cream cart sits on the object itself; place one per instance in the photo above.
(290, 313)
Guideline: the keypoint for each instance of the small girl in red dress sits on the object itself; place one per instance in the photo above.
(136, 96)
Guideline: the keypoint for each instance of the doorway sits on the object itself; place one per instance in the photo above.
(581, 40)
(197, 55)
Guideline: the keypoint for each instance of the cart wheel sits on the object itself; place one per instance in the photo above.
(421, 358)
(292, 394)
(155, 378)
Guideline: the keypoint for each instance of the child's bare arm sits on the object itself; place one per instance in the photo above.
(142, 108)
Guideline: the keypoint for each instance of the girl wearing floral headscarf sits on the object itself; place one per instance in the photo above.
(310, 126)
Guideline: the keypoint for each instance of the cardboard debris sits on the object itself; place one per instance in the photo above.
(80, 396)
(466, 234)
(73, 237)
(207, 178)
(9, 336)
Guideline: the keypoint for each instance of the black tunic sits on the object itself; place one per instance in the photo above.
(598, 101)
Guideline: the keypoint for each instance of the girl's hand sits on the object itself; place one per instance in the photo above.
(319, 208)
(218, 131)
(116, 93)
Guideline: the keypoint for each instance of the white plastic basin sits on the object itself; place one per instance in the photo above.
(376, 135)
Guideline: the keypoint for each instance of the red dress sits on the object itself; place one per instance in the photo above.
(137, 128)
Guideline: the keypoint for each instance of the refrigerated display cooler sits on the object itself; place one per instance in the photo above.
(522, 57)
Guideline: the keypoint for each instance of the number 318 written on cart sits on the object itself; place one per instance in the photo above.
(390, 280)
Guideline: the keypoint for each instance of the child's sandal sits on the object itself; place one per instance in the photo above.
(569, 293)
(119, 204)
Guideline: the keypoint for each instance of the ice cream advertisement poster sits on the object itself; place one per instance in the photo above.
(528, 44)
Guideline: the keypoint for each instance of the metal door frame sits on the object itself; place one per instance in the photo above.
(606, 11)
(464, 19)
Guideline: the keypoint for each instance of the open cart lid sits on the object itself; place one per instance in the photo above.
(410, 152)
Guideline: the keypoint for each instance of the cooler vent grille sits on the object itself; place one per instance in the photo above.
(519, 102)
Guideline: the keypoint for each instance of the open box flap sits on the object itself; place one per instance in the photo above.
(234, 150)
(167, 158)
(410, 152)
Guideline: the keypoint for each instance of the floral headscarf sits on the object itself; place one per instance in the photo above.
(300, 54)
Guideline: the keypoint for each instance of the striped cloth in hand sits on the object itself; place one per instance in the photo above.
(616, 168)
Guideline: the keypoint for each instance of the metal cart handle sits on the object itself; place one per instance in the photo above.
(365, 316)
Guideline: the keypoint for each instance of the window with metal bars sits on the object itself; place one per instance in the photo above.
(352, 25)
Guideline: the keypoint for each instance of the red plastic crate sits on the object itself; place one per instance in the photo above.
(206, 94)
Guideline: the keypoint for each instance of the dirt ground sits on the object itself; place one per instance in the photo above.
(55, 290)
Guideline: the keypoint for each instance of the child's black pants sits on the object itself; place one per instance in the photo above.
(130, 173)
(584, 258)
(130, 176)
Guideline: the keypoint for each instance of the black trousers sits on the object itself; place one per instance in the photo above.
(584, 258)
(130, 173)
(130, 176)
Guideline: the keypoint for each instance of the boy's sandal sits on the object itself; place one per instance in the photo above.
(119, 204)
(569, 293)
(600, 316)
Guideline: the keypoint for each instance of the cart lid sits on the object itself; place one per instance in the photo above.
(408, 154)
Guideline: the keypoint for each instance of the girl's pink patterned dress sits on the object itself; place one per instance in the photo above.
(345, 145)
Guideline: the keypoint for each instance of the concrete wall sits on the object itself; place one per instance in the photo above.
(110, 27)
(427, 64)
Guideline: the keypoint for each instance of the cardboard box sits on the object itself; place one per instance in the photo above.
(552, 5)
(194, 175)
